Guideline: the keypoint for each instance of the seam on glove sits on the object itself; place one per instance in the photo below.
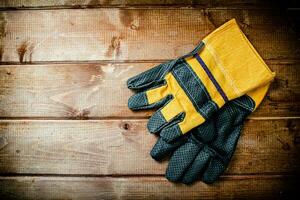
(239, 103)
(211, 50)
(211, 77)
(189, 94)
(198, 80)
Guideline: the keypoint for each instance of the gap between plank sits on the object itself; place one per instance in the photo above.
(268, 61)
(141, 7)
(230, 176)
(95, 119)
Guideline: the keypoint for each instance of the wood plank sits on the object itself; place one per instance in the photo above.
(121, 147)
(133, 34)
(21, 4)
(277, 187)
(99, 90)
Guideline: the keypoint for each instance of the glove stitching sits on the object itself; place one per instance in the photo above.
(169, 97)
(223, 70)
(207, 148)
(190, 96)
(197, 79)
(240, 103)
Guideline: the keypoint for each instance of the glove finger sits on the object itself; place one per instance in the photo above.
(196, 169)
(170, 114)
(146, 79)
(215, 168)
(153, 98)
(181, 160)
(157, 122)
(163, 149)
(139, 102)
(171, 133)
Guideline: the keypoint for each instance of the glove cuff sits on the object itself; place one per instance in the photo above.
(228, 65)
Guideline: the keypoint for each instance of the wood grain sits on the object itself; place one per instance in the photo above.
(276, 187)
(21, 4)
(108, 157)
(133, 34)
(121, 147)
(82, 91)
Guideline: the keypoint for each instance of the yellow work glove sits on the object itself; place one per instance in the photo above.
(190, 89)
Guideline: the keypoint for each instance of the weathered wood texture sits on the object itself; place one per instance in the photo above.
(99, 90)
(133, 34)
(110, 147)
(108, 158)
(276, 187)
(96, 3)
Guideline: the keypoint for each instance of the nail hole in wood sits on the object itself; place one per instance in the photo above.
(126, 126)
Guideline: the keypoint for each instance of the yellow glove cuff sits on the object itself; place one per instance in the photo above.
(232, 61)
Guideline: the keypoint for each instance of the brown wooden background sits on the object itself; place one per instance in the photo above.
(66, 131)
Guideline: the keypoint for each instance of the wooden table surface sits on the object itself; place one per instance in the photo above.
(66, 131)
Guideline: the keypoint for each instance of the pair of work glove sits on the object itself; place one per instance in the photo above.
(203, 98)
